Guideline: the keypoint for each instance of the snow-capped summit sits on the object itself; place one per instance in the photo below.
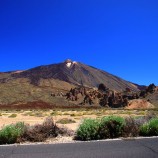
(76, 73)
(69, 63)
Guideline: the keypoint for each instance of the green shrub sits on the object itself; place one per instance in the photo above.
(11, 133)
(88, 130)
(114, 127)
(144, 130)
(150, 128)
(108, 127)
(111, 127)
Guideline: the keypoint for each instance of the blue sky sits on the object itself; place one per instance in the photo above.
(120, 37)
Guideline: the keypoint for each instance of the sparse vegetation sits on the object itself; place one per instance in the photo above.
(38, 114)
(21, 132)
(28, 114)
(77, 114)
(137, 124)
(66, 113)
(12, 116)
(54, 113)
(40, 132)
(66, 121)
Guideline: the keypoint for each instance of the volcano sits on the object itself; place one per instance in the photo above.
(78, 74)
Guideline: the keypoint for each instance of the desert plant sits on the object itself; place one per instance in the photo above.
(150, 128)
(12, 116)
(144, 130)
(111, 127)
(66, 113)
(145, 119)
(150, 115)
(40, 132)
(88, 130)
(38, 114)
(66, 121)
(72, 115)
(131, 127)
(11, 133)
(63, 131)
(54, 113)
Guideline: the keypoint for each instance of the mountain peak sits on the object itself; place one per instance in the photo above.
(69, 63)
(76, 73)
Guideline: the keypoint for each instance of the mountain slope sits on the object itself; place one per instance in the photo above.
(76, 73)
(51, 85)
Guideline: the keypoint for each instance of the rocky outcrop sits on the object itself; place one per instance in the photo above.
(101, 96)
(105, 97)
(149, 90)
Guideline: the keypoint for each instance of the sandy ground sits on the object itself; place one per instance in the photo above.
(4, 120)
(38, 116)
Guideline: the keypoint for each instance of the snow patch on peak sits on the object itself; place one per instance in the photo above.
(68, 64)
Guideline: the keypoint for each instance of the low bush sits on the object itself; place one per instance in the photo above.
(20, 132)
(111, 127)
(63, 131)
(66, 121)
(38, 114)
(131, 127)
(107, 127)
(54, 113)
(10, 134)
(40, 132)
(150, 128)
(88, 130)
(12, 116)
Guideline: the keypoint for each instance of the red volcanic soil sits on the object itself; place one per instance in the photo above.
(139, 104)
(29, 105)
